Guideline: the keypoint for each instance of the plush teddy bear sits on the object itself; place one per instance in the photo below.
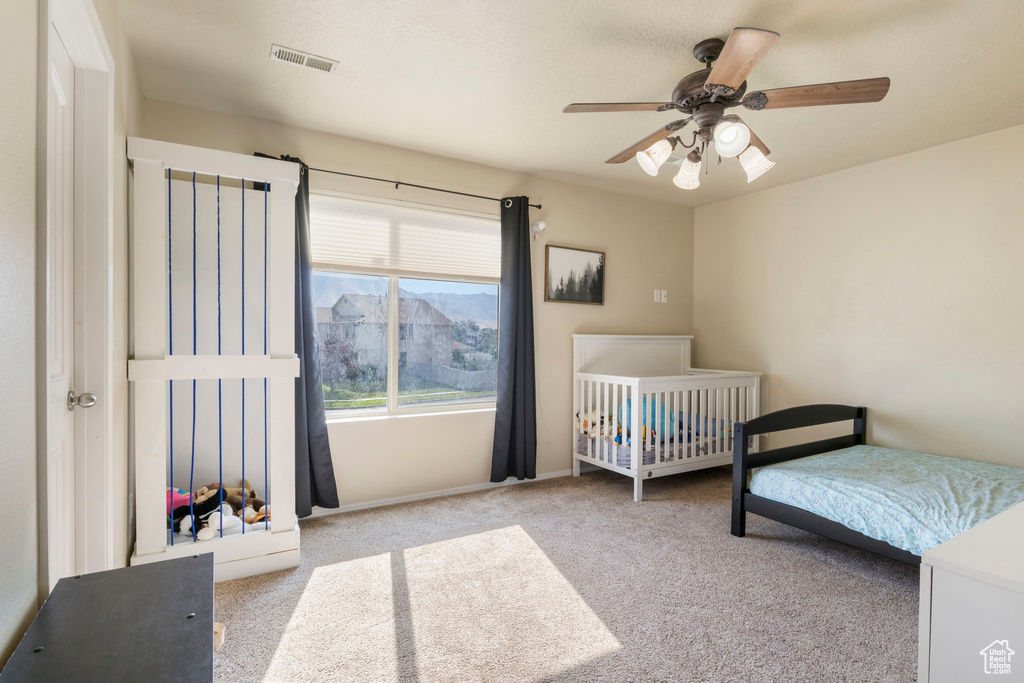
(247, 508)
(245, 489)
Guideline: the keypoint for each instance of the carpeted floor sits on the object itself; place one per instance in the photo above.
(570, 580)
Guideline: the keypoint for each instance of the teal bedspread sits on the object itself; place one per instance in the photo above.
(909, 500)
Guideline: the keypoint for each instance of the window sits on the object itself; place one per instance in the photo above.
(450, 349)
(415, 285)
(352, 324)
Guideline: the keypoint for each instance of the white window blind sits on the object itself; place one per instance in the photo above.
(359, 236)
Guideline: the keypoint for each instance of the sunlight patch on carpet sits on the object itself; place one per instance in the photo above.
(344, 622)
(493, 601)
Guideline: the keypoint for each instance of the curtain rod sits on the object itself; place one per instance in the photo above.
(398, 183)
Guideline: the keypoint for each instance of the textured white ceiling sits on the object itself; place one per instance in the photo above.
(486, 80)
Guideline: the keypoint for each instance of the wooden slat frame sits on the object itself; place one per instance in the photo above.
(151, 365)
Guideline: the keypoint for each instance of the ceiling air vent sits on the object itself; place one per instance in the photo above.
(286, 54)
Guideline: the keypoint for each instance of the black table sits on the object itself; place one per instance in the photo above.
(149, 623)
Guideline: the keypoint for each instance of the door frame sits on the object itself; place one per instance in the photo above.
(78, 25)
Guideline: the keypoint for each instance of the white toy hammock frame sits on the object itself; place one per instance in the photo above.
(157, 365)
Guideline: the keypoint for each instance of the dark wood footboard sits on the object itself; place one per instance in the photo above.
(743, 501)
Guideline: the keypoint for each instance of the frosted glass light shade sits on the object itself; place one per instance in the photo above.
(755, 163)
(688, 177)
(654, 156)
(731, 138)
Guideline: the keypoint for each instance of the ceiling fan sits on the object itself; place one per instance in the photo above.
(706, 95)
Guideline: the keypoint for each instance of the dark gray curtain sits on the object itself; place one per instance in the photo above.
(314, 469)
(515, 424)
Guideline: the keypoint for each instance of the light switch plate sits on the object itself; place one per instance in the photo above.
(664, 296)
(657, 296)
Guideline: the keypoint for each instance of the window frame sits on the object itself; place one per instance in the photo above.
(392, 407)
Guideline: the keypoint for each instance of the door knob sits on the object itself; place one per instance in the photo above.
(83, 400)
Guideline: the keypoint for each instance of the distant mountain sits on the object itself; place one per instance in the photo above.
(480, 308)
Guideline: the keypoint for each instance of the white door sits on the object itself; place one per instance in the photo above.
(60, 329)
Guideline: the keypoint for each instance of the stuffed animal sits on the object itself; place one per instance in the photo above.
(246, 508)
(245, 489)
(211, 506)
(205, 502)
(175, 499)
(224, 515)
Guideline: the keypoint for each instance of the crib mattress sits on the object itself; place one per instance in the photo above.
(909, 500)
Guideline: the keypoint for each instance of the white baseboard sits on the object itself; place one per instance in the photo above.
(321, 512)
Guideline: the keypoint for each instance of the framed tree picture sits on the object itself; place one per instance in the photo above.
(574, 276)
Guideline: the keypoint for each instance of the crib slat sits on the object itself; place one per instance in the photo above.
(705, 425)
(698, 428)
(662, 426)
(712, 414)
(727, 402)
(722, 434)
(705, 433)
(673, 431)
(606, 423)
(720, 427)
(666, 445)
(583, 412)
(580, 402)
(732, 414)
(615, 423)
(590, 427)
(713, 419)
(656, 425)
(686, 425)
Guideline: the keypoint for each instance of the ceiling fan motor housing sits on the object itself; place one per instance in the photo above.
(689, 92)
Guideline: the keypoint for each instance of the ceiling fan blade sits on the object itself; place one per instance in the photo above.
(660, 134)
(742, 52)
(613, 106)
(843, 92)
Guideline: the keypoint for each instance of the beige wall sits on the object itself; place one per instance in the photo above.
(18, 115)
(648, 246)
(897, 285)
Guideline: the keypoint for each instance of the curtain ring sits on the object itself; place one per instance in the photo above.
(508, 203)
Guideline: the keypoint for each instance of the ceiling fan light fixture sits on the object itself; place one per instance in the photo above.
(688, 177)
(755, 163)
(653, 157)
(731, 138)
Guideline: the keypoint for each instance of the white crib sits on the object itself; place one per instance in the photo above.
(685, 415)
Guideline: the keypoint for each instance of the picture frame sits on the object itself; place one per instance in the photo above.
(573, 275)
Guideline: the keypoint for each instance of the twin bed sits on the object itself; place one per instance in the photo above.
(892, 502)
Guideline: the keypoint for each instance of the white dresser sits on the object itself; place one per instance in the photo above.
(972, 604)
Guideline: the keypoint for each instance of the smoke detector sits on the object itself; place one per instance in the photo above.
(279, 53)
